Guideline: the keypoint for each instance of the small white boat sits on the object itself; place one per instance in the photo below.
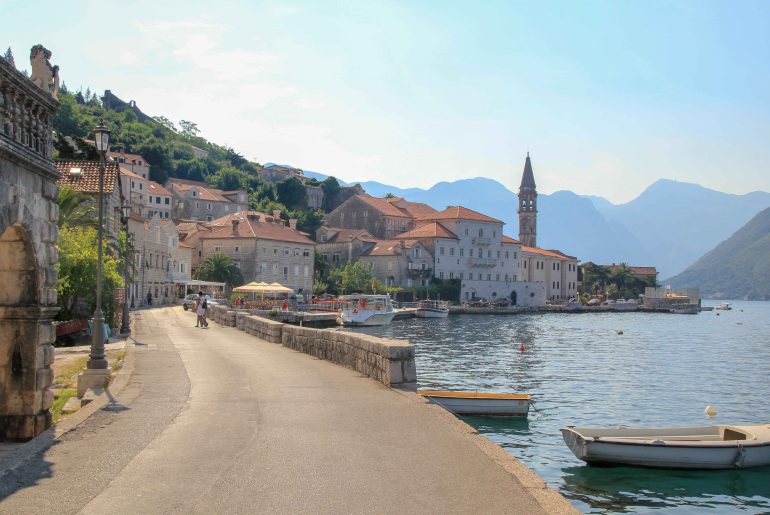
(432, 309)
(626, 305)
(724, 306)
(362, 309)
(710, 447)
(480, 404)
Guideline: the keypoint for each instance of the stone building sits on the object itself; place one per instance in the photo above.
(162, 264)
(198, 201)
(556, 270)
(83, 177)
(342, 246)
(277, 173)
(263, 247)
(28, 235)
(384, 218)
(132, 162)
(400, 263)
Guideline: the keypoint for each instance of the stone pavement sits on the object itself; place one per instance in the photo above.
(217, 421)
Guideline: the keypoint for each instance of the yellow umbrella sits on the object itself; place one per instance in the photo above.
(279, 288)
(246, 288)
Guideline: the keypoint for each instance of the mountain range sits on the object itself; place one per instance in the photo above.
(669, 225)
(739, 267)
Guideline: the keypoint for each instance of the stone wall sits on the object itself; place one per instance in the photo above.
(28, 235)
(386, 360)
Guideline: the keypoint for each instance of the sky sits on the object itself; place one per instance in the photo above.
(607, 97)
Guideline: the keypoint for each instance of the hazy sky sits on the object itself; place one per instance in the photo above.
(607, 96)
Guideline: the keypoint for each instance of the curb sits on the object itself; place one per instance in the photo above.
(50, 436)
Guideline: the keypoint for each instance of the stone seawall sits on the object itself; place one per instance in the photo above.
(389, 361)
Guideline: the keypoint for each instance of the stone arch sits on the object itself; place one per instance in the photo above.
(18, 268)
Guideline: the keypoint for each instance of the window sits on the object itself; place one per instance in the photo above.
(217, 249)
(470, 276)
(506, 254)
(417, 252)
(307, 270)
(285, 251)
(489, 277)
(157, 200)
(335, 258)
(451, 251)
(275, 268)
(209, 218)
(390, 266)
(275, 251)
(489, 253)
(506, 277)
(208, 206)
(296, 269)
(441, 275)
(168, 200)
(197, 205)
(466, 231)
(497, 277)
(286, 271)
(237, 249)
(461, 275)
(441, 251)
(525, 264)
(462, 252)
(141, 186)
(451, 275)
(481, 232)
(514, 255)
(306, 253)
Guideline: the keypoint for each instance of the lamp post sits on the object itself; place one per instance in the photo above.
(97, 359)
(125, 325)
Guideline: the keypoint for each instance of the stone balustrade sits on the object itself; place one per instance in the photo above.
(386, 360)
(26, 117)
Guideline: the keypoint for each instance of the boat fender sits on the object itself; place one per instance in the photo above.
(658, 442)
(739, 456)
(710, 411)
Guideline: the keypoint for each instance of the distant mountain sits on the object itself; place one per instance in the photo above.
(738, 268)
(676, 222)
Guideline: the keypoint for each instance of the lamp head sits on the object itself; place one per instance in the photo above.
(102, 138)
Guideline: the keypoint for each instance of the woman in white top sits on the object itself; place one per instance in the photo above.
(200, 310)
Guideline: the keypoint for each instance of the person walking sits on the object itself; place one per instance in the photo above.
(200, 310)
(149, 298)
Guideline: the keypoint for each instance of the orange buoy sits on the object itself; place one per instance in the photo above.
(521, 348)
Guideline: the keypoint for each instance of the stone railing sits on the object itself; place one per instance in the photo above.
(389, 361)
(26, 117)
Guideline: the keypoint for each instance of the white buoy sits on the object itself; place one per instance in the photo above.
(710, 411)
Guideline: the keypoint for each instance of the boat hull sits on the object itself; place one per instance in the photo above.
(668, 448)
(480, 404)
(431, 313)
(367, 319)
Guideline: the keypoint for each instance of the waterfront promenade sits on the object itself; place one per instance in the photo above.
(217, 421)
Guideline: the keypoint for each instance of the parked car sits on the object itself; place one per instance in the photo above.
(191, 299)
(502, 302)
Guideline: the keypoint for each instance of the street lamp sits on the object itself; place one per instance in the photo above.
(97, 360)
(125, 326)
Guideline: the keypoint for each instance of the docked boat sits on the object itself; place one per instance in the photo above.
(724, 306)
(686, 310)
(710, 447)
(707, 308)
(432, 309)
(480, 404)
(362, 309)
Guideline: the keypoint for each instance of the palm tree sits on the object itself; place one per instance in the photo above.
(220, 268)
(621, 275)
(75, 209)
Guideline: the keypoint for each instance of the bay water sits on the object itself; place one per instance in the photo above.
(662, 371)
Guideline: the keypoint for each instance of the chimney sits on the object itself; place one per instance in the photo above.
(293, 224)
(235, 225)
(277, 214)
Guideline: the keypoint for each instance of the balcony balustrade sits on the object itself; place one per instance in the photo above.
(482, 262)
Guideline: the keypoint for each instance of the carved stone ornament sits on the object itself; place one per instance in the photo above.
(43, 74)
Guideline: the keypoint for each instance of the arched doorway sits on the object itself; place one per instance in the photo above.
(513, 298)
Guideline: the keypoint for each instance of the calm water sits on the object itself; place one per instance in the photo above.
(663, 371)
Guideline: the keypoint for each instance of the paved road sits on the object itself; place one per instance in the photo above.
(217, 421)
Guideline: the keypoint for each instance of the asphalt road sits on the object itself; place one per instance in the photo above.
(217, 421)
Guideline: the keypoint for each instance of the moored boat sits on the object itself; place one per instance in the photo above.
(480, 404)
(707, 308)
(709, 447)
(432, 309)
(724, 306)
(686, 310)
(368, 310)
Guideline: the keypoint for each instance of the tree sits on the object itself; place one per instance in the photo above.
(188, 128)
(165, 122)
(291, 193)
(8, 56)
(357, 277)
(228, 179)
(77, 266)
(75, 209)
(220, 268)
(389, 195)
(319, 265)
(331, 189)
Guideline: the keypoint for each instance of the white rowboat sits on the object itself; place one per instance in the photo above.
(710, 447)
(481, 404)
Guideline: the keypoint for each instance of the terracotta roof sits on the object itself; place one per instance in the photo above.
(252, 227)
(185, 245)
(344, 235)
(205, 192)
(396, 206)
(635, 270)
(431, 230)
(128, 173)
(388, 247)
(562, 254)
(226, 220)
(542, 252)
(461, 213)
(86, 178)
(413, 209)
(508, 239)
(154, 187)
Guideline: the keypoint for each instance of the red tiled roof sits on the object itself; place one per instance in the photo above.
(205, 192)
(643, 270)
(431, 230)
(154, 187)
(396, 206)
(344, 235)
(252, 227)
(128, 157)
(460, 213)
(388, 247)
(508, 239)
(128, 173)
(542, 252)
(86, 180)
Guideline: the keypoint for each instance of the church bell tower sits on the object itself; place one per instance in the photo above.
(528, 207)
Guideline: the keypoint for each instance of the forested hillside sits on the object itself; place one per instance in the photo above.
(738, 268)
(168, 148)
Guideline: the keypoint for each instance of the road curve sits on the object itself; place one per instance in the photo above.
(217, 421)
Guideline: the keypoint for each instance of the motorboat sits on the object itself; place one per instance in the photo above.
(707, 308)
(364, 309)
(724, 306)
(710, 447)
(480, 404)
(685, 310)
(626, 305)
(432, 309)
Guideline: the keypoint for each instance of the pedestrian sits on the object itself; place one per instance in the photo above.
(200, 310)
(149, 298)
